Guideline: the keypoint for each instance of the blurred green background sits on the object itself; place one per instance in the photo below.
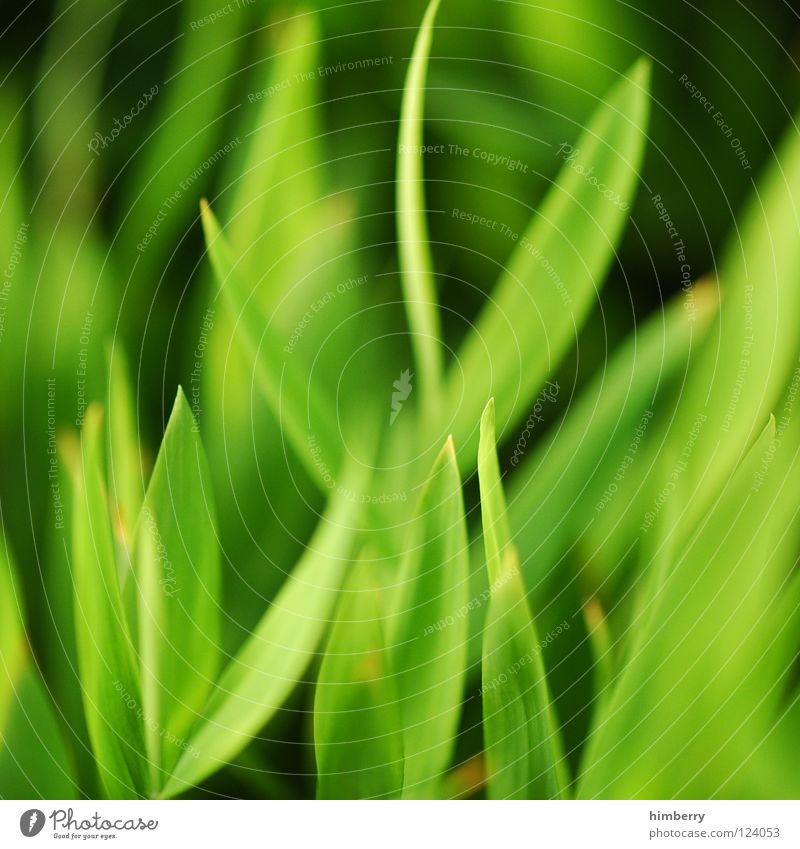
(511, 79)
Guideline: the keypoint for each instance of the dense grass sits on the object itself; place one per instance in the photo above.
(467, 576)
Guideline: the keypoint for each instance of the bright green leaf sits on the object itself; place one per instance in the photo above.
(306, 414)
(357, 736)
(416, 264)
(523, 748)
(177, 566)
(266, 669)
(557, 268)
(109, 677)
(698, 692)
(428, 629)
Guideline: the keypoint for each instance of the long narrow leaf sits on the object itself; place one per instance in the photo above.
(357, 736)
(557, 268)
(523, 748)
(270, 663)
(177, 563)
(416, 264)
(428, 629)
(33, 759)
(303, 407)
(111, 697)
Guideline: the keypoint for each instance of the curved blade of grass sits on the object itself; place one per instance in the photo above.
(428, 629)
(33, 759)
(357, 732)
(177, 564)
(266, 669)
(753, 346)
(416, 265)
(305, 412)
(698, 692)
(109, 678)
(523, 748)
(496, 532)
(552, 494)
(125, 473)
(552, 279)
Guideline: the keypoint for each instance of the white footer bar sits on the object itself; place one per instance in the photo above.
(400, 825)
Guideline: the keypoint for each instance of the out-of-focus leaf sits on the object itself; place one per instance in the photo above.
(416, 264)
(523, 748)
(556, 270)
(553, 493)
(66, 104)
(177, 564)
(753, 346)
(272, 660)
(698, 693)
(125, 473)
(187, 114)
(109, 676)
(357, 736)
(33, 759)
(428, 629)
(494, 520)
(302, 407)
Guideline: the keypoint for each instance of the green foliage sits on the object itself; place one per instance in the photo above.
(665, 548)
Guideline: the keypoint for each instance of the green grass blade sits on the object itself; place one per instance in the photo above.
(416, 264)
(177, 563)
(33, 759)
(125, 472)
(697, 694)
(357, 738)
(111, 697)
(270, 663)
(553, 493)
(428, 629)
(496, 532)
(752, 349)
(523, 748)
(552, 279)
(305, 412)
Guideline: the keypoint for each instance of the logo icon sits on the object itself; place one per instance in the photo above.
(402, 391)
(31, 822)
